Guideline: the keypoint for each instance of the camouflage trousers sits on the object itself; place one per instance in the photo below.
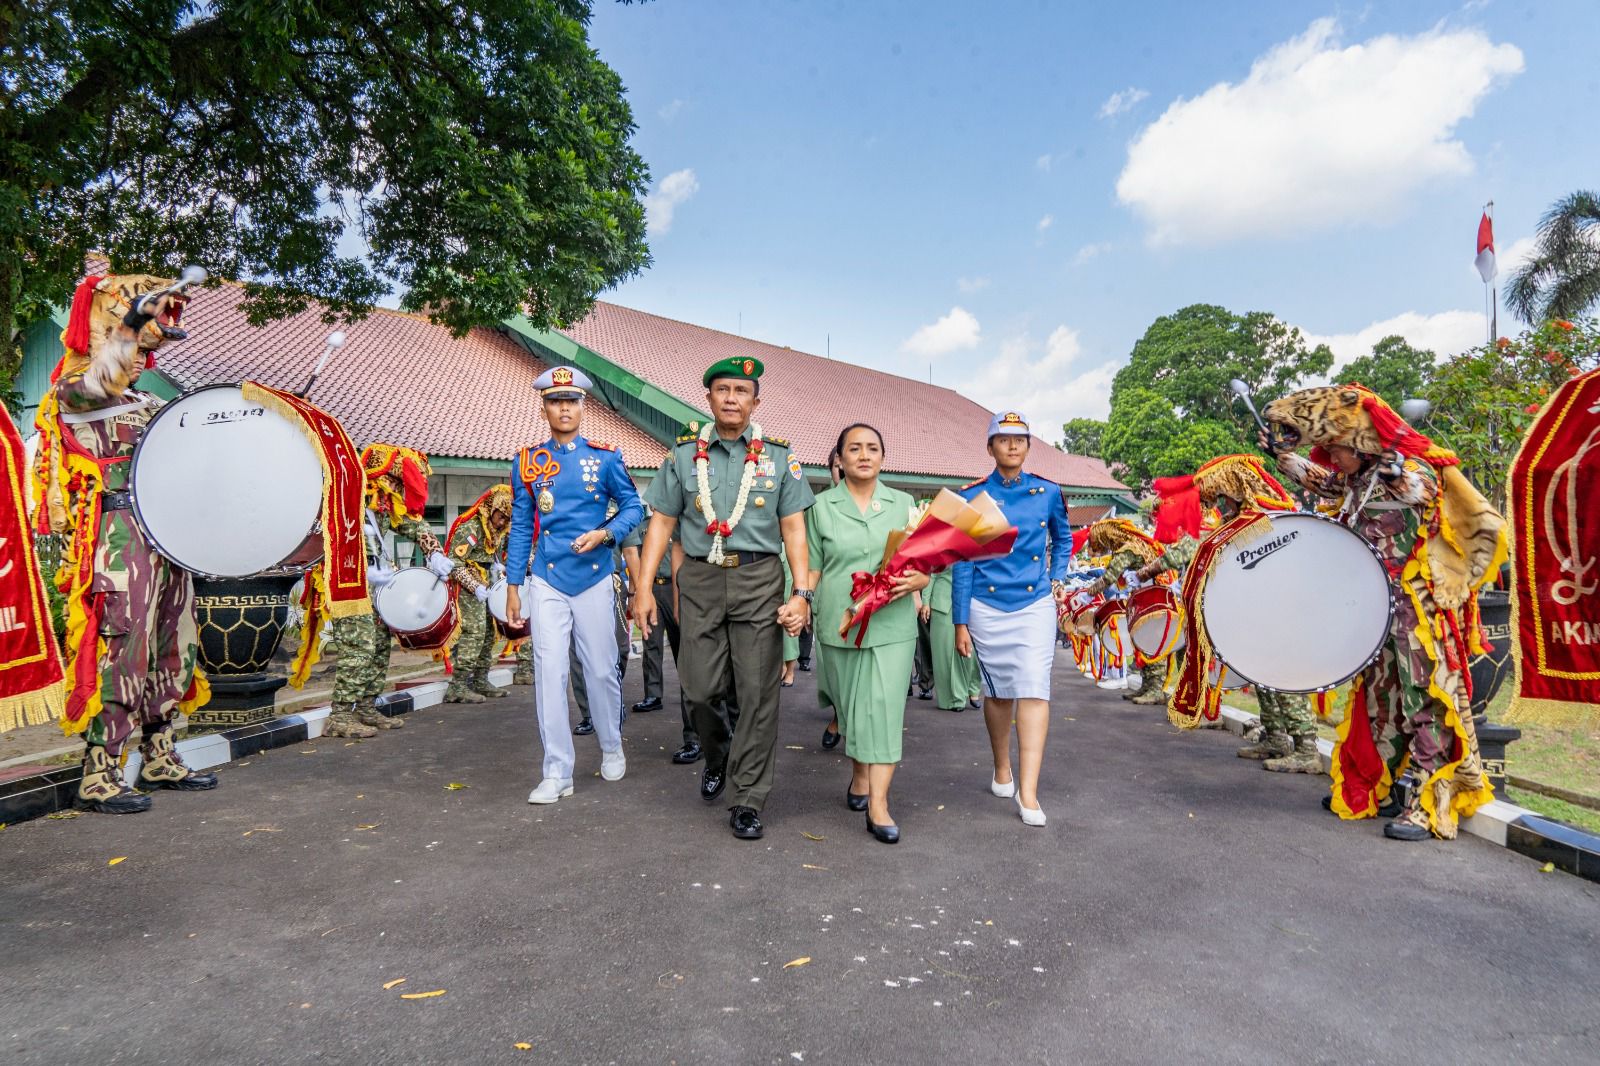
(362, 643)
(1403, 716)
(151, 646)
(1285, 712)
(473, 651)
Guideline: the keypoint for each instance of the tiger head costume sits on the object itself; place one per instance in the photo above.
(1473, 539)
(397, 480)
(1111, 535)
(95, 347)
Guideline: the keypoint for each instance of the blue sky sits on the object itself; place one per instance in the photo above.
(1005, 195)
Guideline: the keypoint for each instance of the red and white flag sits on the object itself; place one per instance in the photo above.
(1485, 260)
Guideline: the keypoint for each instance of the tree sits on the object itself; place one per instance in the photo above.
(1395, 370)
(1081, 436)
(1172, 407)
(1562, 277)
(1485, 399)
(481, 146)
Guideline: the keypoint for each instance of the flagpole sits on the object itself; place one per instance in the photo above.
(1494, 290)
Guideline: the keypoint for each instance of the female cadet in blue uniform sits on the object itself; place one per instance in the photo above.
(566, 486)
(1003, 608)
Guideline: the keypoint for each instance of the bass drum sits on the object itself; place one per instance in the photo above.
(417, 606)
(497, 608)
(1155, 621)
(226, 488)
(1303, 607)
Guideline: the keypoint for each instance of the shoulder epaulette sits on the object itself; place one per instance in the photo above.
(603, 446)
(688, 438)
(973, 484)
(779, 441)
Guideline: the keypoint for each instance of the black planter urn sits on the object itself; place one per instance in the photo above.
(241, 623)
(1489, 671)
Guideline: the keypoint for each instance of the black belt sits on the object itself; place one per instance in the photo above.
(735, 559)
(116, 501)
(664, 580)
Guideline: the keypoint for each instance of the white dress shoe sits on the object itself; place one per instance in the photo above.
(551, 789)
(613, 764)
(1033, 816)
(1112, 683)
(1005, 791)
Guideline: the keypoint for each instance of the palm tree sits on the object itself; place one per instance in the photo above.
(1562, 277)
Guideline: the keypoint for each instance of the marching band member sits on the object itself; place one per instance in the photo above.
(476, 543)
(1233, 484)
(1129, 549)
(561, 492)
(122, 596)
(397, 493)
(1409, 715)
(1003, 609)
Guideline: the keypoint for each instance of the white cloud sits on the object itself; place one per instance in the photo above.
(1510, 258)
(1041, 383)
(1045, 223)
(1445, 334)
(1043, 163)
(1125, 100)
(1089, 251)
(954, 332)
(1315, 136)
(670, 194)
(972, 285)
(670, 111)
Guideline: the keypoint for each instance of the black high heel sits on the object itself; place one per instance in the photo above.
(831, 737)
(853, 801)
(888, 834)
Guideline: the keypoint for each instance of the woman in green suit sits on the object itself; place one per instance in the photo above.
(955, 676)
(847, 530)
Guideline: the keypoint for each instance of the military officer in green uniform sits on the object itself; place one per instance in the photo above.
(738, 499)
(955, 677)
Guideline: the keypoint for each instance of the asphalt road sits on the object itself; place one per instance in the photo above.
(1181, 906)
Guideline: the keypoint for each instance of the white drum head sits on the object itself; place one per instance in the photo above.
(415, 599)
(223, 487)
(1301, 608)
(497, 600)
(1155, 632)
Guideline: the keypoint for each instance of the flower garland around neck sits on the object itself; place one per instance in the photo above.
(702, 469)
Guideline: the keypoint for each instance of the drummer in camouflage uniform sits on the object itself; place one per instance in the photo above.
(131, 612)
(477, 542)
(397, 493)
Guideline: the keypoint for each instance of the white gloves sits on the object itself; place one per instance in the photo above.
(497, 572)
(1131, 580)
(482, 592)
(379, 576)
(441, 565)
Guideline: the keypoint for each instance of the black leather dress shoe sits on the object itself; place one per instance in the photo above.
(712, 782)
(646, 705)
(583, 728)
(854, 802)
(804, 664)
(1398, 830)
(831, 738)
(924, 694)
(746, 823)
(687, 754)
(889, 834)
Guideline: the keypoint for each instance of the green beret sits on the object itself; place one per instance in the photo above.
(739, 366)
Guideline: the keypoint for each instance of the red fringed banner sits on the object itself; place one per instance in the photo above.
(1198, 693)
(1555, 589)
(32, 687)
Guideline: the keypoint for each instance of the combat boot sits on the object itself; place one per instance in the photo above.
(479, 683)
(459, 691)
(1271, 746)
(102, 789)
(163, 767)
(1412, 823)
(342, 722)
(522, 677)
(1303, 760)
(367, 713)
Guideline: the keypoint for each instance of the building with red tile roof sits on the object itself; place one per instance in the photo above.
(468, 401)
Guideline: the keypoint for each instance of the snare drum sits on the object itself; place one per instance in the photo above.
(227, 488)
(1081, 618)
(1111, 627)
(416, 604)
(497, 608)
(1303, 607)
(1155, 621)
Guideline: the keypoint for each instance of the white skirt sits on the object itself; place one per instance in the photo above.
(1015, 649)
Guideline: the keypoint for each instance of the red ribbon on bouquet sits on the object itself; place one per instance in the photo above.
(933, 546)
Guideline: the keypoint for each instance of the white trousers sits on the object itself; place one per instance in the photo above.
(587, 620)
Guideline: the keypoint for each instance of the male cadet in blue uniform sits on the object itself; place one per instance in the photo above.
(742, 499)
(560, 492)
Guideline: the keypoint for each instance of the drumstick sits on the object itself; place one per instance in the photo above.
(335, 342)
(192, 276)
(1241, 390)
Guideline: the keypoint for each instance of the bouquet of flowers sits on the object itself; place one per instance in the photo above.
(948, 530)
